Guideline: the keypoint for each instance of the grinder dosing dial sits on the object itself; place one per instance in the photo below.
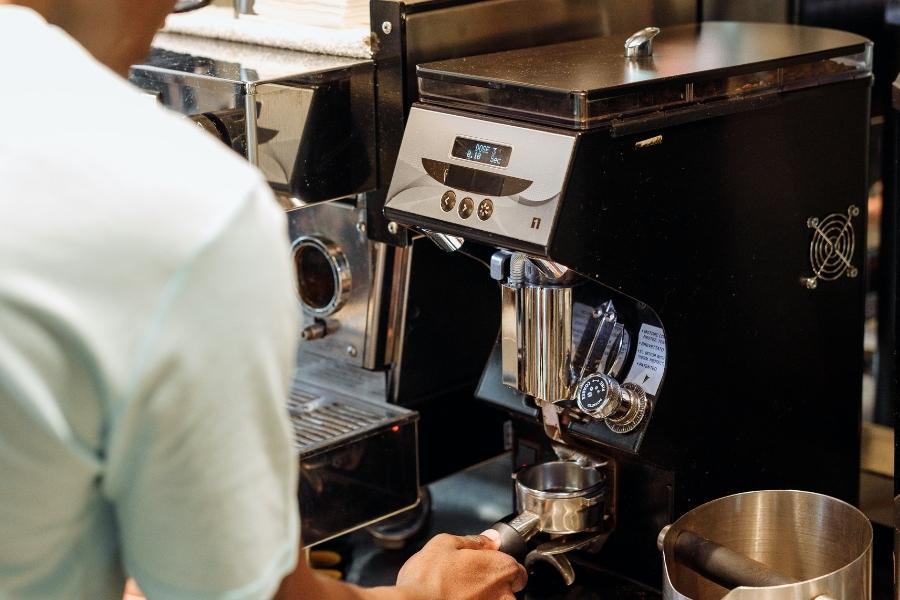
(621, 407)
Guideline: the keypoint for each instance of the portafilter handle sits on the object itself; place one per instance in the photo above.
(515, 531)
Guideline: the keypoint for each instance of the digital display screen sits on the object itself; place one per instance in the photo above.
(482, 152)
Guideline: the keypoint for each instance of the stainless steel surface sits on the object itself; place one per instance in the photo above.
(632, 410)
(539, 157)
(217, 61)
(558, 561)
(545, 317)
(598, 65)
(338, 248)
(509, 336)
(378, 346)
(822, 542)
(476, 27)
(188, 5)
(588, 83)
(447, 243)
(547, 268)
(243, 7)
(602, 345)
(527, 524)
(398, 306)
(640, 44)
(566, 497)
(554, 552)
(315, 331)
(289, 113)
(555, 350)
(322, 418)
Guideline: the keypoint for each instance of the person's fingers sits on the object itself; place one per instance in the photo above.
(494, 539)
(456, 542)
(474, 542)
(520, 580)
(324, 559)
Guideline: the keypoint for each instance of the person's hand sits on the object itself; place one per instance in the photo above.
(132, 592)
(462, 568)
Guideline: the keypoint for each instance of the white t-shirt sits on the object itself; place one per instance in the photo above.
(147, 330)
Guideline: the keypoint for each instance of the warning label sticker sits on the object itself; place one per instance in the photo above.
(649, 359)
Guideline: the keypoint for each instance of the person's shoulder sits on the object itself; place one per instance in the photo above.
(84, 125)
(153, 152)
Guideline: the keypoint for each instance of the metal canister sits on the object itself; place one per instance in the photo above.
(822, 545)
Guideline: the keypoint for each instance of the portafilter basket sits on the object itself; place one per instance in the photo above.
(558, 498)
(769, 545)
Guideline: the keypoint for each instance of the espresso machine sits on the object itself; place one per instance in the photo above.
(678, 218)
(325, 130)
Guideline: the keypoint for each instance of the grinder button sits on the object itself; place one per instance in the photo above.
(466, 207)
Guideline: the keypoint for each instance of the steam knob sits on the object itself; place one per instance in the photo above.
(622, 407)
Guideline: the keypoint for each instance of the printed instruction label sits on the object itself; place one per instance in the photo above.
(649, 359)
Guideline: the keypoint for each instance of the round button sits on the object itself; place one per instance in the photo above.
(592, 394)
(485, 209)
(466, 207)
(448, 201)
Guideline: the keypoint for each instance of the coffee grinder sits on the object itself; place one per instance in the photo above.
(678, 218)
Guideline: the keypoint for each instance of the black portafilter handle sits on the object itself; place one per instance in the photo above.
(515, 530)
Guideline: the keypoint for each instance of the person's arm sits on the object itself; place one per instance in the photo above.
(447, 568)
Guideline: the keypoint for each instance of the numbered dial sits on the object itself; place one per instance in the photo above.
(622, 407)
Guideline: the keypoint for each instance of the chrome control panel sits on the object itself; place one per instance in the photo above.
(491, 177)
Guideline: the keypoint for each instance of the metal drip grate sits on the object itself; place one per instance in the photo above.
(319, 420)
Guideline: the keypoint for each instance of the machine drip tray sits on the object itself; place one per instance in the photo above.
(350, 448)
(469, 502)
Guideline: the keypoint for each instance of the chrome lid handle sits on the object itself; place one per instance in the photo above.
(640, 45)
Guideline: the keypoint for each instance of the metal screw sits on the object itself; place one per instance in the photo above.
(361, 227)
(352, 351)
(393, 228)
(387, 28)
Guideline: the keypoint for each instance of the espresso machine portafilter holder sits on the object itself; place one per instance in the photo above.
(567, 501)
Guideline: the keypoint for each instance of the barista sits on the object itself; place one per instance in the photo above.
(146, 312)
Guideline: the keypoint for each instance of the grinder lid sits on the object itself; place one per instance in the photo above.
(586, 83)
